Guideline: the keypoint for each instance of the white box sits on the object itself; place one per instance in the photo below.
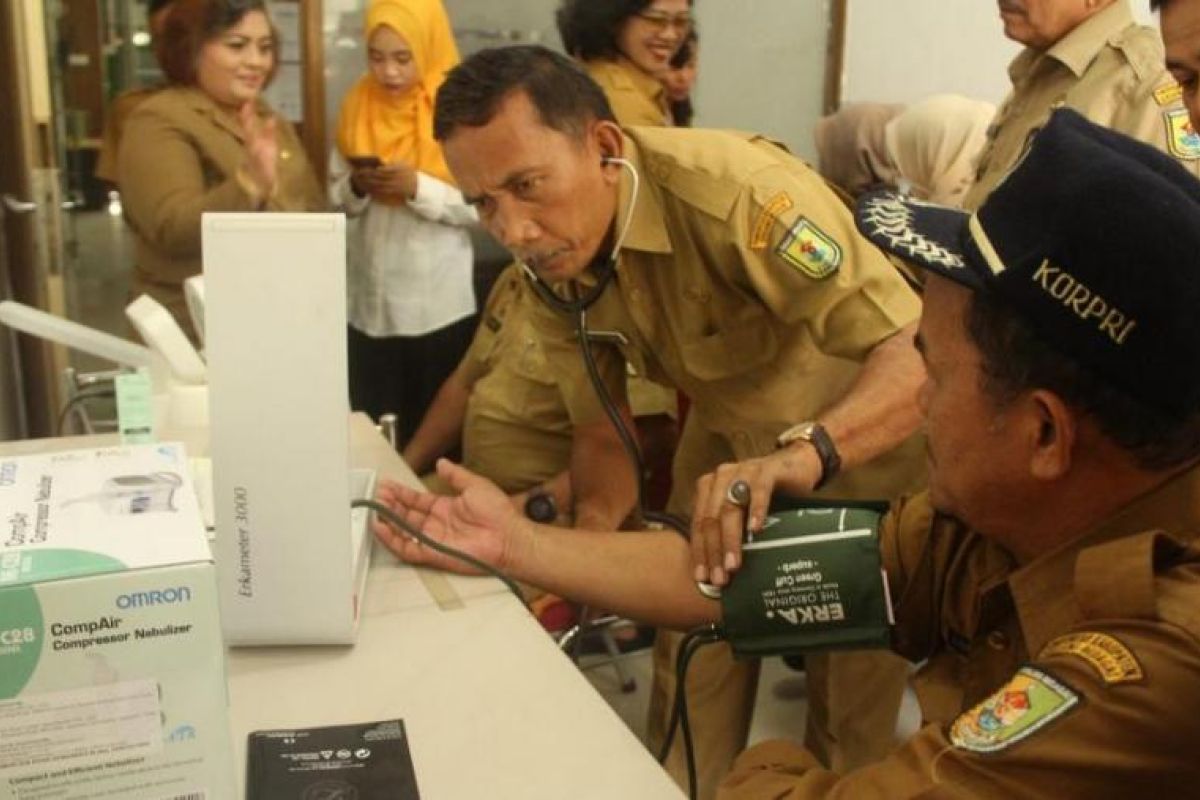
(290, 565)
(112, 668)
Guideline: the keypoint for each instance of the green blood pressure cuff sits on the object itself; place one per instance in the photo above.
(811, 580)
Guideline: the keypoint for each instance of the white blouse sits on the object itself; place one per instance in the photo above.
(409, 268)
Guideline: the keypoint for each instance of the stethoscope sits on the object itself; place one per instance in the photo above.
(577, 306)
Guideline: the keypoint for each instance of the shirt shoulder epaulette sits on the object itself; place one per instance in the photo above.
(1120, 579)
(1143, 51)
(707, 169)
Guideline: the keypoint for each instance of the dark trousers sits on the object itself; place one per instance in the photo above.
(401, 374)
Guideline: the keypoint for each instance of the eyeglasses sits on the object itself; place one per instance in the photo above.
(661, 21)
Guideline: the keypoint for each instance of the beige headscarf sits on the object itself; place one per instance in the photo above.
(850, 146)
(934, 144)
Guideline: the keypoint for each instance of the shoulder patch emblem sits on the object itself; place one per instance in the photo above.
(1112, 660)
(760, 237)
(810, 250)
(1168, 95)
(1030, 701)
(1182, 139)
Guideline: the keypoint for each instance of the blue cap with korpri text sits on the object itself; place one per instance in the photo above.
(1093, 238)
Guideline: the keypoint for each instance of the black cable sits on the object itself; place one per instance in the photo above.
(76, 400)
(691, 642)
(623, 433)
(423, 538)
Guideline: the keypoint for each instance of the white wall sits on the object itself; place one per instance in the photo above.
(762, 67)
(903, 50)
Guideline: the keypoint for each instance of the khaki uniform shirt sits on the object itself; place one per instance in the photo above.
(114, 124)
(1111, 71)
(1076, 675)
(636, 97)
(516, 431)
(742, 282)
(178, 158)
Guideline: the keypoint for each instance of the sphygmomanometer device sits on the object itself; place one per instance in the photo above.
(811, 580)
(135, 494)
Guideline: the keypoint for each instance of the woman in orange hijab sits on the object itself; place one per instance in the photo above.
(411, 301)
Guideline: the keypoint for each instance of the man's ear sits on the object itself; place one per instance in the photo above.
(1054, 434)
(609, 142)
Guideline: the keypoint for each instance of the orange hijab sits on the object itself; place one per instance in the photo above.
(401, 129)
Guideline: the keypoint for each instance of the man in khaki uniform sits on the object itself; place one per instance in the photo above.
(504, 406)
(1049, 579)
(1180, 24)
(739, 280)
(1091, 56)
(502, 401)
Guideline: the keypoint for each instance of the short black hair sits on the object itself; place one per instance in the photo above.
(566, 97)
(1015, 359)
(589, 28)
(1156, 4)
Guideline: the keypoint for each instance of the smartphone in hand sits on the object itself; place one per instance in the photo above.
(365, 162)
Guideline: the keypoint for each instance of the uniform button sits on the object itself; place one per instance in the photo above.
(997, 640)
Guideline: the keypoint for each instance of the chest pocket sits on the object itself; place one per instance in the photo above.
(734, 349)
(523, 353)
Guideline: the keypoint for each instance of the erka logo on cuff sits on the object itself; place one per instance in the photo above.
(1030, 701)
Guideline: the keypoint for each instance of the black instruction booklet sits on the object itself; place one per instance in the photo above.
(367, 761)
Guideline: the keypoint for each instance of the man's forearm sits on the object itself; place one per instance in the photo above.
(880, 410)
(602, 476)
(441, 426)
(643, 575)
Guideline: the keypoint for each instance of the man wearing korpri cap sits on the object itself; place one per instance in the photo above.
(1045, 579)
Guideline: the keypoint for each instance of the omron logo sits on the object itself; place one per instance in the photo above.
(180, 594)
(8, 473)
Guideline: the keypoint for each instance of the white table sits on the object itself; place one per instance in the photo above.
(492, 708)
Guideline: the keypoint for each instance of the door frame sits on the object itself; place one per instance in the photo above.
(29, 173)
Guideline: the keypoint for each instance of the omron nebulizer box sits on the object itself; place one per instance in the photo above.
(112, 667)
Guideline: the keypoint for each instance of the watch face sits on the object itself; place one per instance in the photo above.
(541, 507)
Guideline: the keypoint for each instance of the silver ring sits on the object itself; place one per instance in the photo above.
(738, 494)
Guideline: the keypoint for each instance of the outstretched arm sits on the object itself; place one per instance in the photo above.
(641, 575)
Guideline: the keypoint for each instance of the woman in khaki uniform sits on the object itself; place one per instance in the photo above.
(1089, 55)
(207, 142)
(627, 46)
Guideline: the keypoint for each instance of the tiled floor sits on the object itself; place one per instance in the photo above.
(100, 257)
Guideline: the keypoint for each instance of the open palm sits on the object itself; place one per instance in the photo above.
(480, 521)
